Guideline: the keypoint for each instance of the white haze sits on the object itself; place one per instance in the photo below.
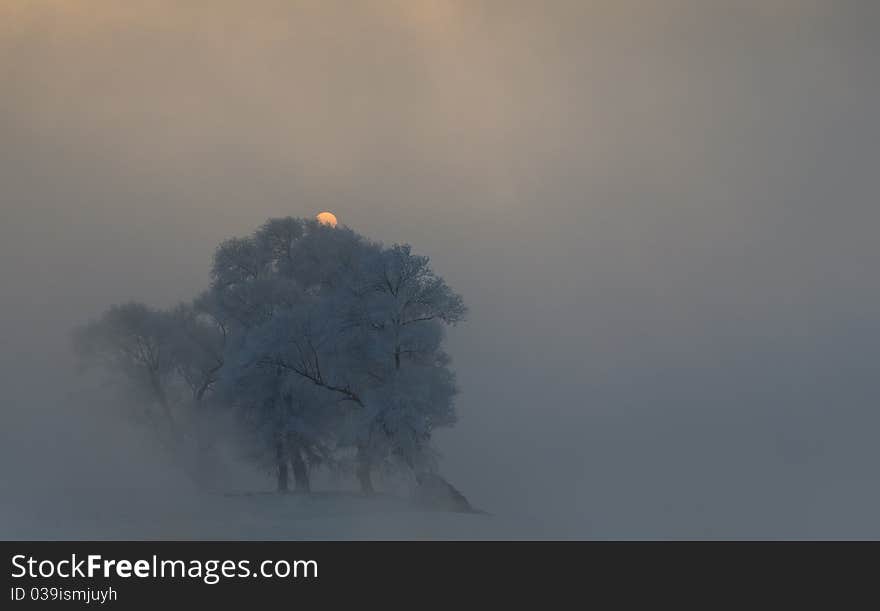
(663, 216)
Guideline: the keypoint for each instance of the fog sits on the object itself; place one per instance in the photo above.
(662, 215)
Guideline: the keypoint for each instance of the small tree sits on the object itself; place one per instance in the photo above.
(403, 309)
(259, 282)
(133, 342)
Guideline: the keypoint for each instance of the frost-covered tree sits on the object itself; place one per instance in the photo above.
(403, 311)
(168, 360)
(260, 282)
(371, 333)
(133, 342)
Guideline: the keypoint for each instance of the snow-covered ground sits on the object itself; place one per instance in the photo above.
(261, 516)
(67, 477)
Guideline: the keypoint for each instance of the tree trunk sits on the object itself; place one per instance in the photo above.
(281, 464)
(363, 471)
(300, 468)
(206, 467)
(162, 399)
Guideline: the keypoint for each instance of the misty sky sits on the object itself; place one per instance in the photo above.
(663, 215)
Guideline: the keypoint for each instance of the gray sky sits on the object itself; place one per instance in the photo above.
(663, 216)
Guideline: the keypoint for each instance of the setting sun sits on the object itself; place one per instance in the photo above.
(326, 218)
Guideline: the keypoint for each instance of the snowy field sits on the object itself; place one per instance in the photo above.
(102, 479)
(269, 516)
